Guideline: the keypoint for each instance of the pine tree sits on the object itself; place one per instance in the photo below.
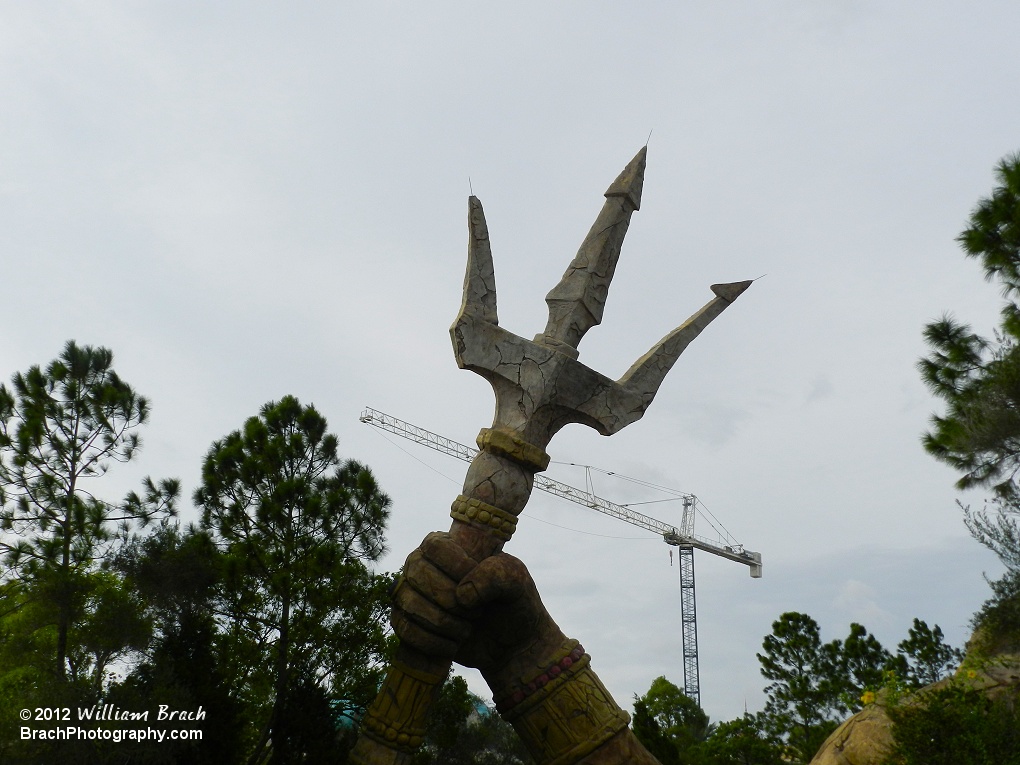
(979, 377)
(802, 701)
(927, 655)
(60, 427)
(297, 527)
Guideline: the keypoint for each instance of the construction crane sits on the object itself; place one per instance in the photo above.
(683, 537)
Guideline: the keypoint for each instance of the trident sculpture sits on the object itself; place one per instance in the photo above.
(460, 598)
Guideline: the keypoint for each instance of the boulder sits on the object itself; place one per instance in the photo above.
(865, 739)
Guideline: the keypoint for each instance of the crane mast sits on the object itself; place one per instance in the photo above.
(682, 537)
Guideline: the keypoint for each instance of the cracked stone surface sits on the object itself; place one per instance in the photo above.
(539, 384)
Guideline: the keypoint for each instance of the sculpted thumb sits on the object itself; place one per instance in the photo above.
(500, 578)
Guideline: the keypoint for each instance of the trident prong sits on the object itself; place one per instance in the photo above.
(647, 373)
(480, 278)
(539, 384)
(576, 304)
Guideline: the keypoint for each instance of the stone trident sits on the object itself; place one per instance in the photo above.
(540, 386)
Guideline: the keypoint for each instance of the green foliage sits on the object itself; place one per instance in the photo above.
(679, 715)
(648, 731)
(927, 658)
(980, 382)
(979, 435)
(25, 648)
(28, 637)
(176, 572)
(956, 725)
(105, 624)
(675, 730)
(308, 726)
(744, 741)
(979, 378)
(176, 575)
(296, 527)
(997, 622)
(59, 427)
(265, 617)
(448, 718)
(860, 664)
(814, 685)
(997, 528)
(993, 233)
(461, 730)
(802, 700)
(669, 723)
(112, 626)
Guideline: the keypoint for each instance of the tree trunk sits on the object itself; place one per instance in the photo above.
(64, 588)
(279, 718)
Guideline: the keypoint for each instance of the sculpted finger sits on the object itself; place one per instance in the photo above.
(425, 612)
(429, 581)
(499, 578)
(439, 548)
(412, 633)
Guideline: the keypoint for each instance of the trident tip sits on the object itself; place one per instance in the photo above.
(631, 181)
(733, 290)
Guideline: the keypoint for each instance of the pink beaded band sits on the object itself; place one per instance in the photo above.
(563, 712)
(574, 656)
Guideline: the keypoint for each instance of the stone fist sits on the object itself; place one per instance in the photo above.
(447, 605)
(450, 607)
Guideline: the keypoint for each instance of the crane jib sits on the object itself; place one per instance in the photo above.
(670, 534)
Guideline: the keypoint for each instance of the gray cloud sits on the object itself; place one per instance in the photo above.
(244, 202)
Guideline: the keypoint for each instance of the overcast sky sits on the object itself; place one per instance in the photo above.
(247, 200)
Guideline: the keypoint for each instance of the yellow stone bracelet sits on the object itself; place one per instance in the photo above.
(499, 522)
(508, 444)
(397, 716)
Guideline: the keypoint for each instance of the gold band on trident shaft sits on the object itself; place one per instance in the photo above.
(512, 446)
(499, 523)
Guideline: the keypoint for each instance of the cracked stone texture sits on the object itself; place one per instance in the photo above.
(577, 303)
(539, 384)
(498, 481)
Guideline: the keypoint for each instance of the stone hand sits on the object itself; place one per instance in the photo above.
(487, 615)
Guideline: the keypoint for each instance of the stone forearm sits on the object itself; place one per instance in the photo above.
(622, 749)
(561, 709)
(496, 489)
(547, 689)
